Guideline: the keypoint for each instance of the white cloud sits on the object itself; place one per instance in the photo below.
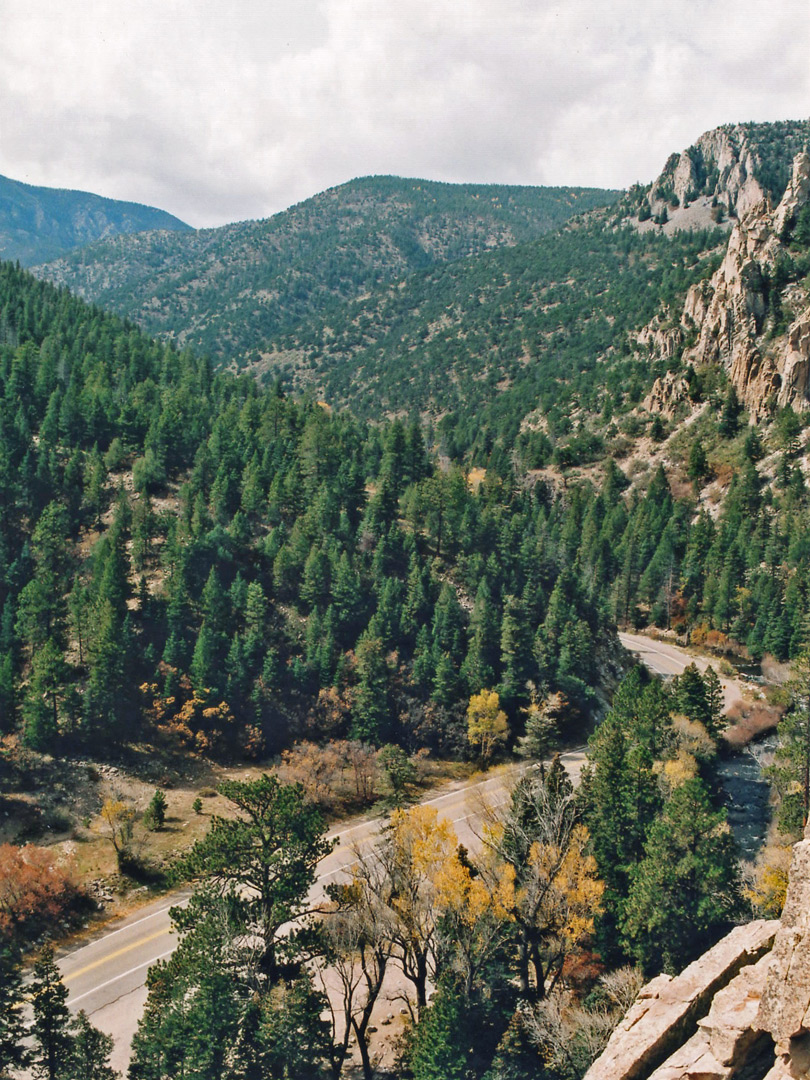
(218, 111)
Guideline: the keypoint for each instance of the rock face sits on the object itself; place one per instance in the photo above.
(740, 1012)
(785, 1007)
(666, 393)
(726, 1040)
(730, 311)
(725, 153)
(736, 318)
(667, 1011)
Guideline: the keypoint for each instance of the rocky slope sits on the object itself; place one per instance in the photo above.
(38, 223)
(753, 315)
(740, 1012)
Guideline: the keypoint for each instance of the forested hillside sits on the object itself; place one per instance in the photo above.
(201, 556)
(39, 223)
(241, 569)
(231, 291)
(484, 342)
(518, 451)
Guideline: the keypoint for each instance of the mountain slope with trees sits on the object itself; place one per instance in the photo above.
(230, 291)
(193, 555)
(196, 560)
(40, 223)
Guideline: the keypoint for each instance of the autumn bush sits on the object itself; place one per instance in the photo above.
(36, 892)
(748, 720)
(192, 720)
(339, 775)
(766, 880)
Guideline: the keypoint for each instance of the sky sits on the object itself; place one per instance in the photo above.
(223, 110)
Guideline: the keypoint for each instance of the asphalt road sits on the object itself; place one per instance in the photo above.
(106, 977)
(668, 660)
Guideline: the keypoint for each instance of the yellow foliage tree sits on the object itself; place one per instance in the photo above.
(429, 899)
(543, 877)
(487, 727)
(119, 818)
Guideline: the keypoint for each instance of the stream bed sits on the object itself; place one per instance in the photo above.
(747, 795)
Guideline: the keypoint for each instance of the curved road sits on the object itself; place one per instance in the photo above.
(668, 660)
(106, 977)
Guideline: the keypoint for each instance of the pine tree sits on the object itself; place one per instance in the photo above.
(262, 861)
(684, 893)
(51, 1027)
(155, 814)
(730, 416)
(45, 690)
(444, 1043)
(372, 707)
(715, 701)
(516, 655)
(690, 695)
(13, 1051)
(90, 1052)
(481, 662)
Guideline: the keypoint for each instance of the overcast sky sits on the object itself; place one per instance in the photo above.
(219, 110)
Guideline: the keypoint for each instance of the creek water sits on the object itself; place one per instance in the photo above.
(746, 794)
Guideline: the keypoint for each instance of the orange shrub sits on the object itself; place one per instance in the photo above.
(35, 891)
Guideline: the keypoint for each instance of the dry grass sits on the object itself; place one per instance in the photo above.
(775, 671)
(58, 806)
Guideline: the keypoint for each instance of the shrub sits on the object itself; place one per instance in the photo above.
(36, 893)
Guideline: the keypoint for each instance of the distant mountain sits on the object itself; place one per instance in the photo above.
(606, 305)
(40, 223)
(230, 291)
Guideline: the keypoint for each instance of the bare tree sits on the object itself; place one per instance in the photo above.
(571, 1037)
(359, 946)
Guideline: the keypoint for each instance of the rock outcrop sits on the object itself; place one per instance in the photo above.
(723, 153)
(666, 1012)
(740, 1012)
(666, 393)
(733, 315)
(785, 1008)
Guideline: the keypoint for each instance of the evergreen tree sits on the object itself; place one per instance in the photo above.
(372, 708)
(45, 690)
(51, 1026)
(90, 1052)
(684, 893)
(446, 1044)
(273, 849)
(691, 697)
(13, 1051)
(730, 416)
(481, 662)
(516, 655)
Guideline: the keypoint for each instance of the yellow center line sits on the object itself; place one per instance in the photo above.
(113, 955)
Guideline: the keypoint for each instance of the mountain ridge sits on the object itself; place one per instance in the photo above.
(231, 290)
(38, 222)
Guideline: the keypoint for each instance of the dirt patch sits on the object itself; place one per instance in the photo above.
(57, 804)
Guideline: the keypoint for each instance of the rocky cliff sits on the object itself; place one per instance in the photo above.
(753, 315)
(740, 1012)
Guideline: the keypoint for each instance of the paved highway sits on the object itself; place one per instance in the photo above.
(668, 660)
(106, 977)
